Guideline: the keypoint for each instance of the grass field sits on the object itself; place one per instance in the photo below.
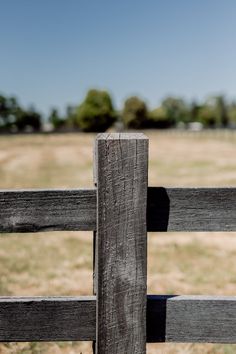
(60, 263)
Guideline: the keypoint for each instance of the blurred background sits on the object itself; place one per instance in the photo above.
(70, 69)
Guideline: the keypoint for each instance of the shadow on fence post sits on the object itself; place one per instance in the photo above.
(121, 243)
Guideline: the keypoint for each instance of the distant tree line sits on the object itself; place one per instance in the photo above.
(215, 112)
(14, 118)
(97, 113)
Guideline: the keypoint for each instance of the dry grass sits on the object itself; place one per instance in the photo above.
(60, 263)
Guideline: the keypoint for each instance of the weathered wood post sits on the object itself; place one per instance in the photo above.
(121, 251)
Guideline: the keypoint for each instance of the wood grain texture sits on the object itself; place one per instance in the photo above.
(209, 319)
(47, 319)
(47, 210)
(121, 243)
(169, 209)
(202, 319)
(191, 209)
(94, 235)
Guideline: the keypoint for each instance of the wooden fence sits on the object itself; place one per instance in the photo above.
(120, 317)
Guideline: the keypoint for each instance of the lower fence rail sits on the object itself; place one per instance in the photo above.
(170, 318)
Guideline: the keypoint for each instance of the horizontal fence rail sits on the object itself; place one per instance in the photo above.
(169, 319)
(168, 209)
(30, 319)
(47, 210)
(191, 319)
(191, 209)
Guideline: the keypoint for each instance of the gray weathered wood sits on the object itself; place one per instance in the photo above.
(169, 209)
(209, 319)
(95, 232)
(44, 210)
(47, 319)
(94, 238)
(191, 209)
(169, 319)
(121, 243)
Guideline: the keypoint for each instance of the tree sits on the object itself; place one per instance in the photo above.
(4, 112)
(28, 119)
(214, 112)
(221, 111)
(13, 116)
(176, 110)
(96, 113)
(158, 118)
(194, 111)
(8, 112)
(232, 114)
(207, 116)
(70, 116)
(135, 113)
(55, 119)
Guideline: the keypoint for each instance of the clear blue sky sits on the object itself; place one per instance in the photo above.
(53, 51)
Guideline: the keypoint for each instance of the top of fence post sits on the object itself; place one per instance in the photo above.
(121, 251)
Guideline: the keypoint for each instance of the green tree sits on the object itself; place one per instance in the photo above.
(176, 110)
(55, 119)
(207, 116)
(70, 118)
(214, 112)
(232, 113)
(135, 113)
(221, 111)
(14, 116)
(194, 111)
(8, 112)
(28, 119)
(3, 111)
(158, 118)
(96, 113)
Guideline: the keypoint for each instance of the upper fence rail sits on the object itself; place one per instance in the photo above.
(168, 209)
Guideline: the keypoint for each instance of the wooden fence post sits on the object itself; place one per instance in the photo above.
(121, 251)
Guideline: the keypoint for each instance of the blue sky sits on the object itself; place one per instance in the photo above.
(53, 51)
